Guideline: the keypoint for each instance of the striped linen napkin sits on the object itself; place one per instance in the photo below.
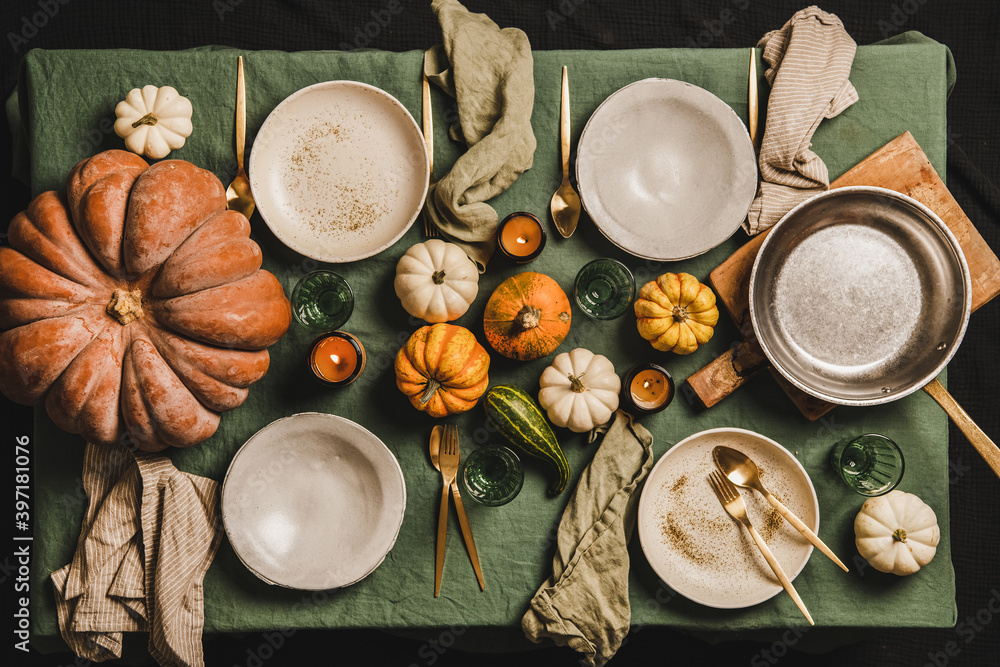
(809, 63)
(148, 536)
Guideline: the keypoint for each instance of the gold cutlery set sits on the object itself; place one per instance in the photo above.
(445, 457)
(736, 469)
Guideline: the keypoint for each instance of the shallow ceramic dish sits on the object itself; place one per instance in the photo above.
(313, 501)
(696, 548)
(666, 170)
(339, 171)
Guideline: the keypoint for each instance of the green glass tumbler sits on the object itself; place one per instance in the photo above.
(604, 289)
(492, 475)
(322, 301)
(870, 464)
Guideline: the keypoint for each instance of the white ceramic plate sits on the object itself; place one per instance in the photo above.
(339, 171)
(666, 169)
(313, 501)
(696, 548)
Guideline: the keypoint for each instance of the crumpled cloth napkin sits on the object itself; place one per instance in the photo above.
(489, 72)
(809, 63)
(148, 536)
(584, 604)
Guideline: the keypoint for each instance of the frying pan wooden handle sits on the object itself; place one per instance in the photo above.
(986, 447)
(727, 373)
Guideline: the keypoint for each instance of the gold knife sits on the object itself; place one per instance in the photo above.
(442, 528)
(752, 96)
(470, 544)
(427, 120)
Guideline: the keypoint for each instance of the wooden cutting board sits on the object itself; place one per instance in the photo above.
(900, 165)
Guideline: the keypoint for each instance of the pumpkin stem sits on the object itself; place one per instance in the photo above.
(432, 386)
(148, 119)
(576, 385)
(437, 277)
(125, 306)
(680, 314)
(527, 318)
(899, 535)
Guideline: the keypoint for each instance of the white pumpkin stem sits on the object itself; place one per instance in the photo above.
(437, 277)
(432, 386)
(148, 119)
(576, 384)
(528, 318)
(899, 535)
(680, 314)
(125, 306)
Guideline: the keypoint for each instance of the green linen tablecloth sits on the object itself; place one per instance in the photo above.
(67, 101)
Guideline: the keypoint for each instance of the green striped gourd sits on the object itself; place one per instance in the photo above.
(519, 420)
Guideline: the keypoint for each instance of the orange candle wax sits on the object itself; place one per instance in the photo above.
(337, 358)
(651, 388)
(521, 237)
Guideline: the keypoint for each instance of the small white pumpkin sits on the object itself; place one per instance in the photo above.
(579, 390)
(153, 121)
(436, 281)
(896, 533)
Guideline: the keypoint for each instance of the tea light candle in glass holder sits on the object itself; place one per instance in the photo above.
(647, 389)
(337, 359)
(521, 237)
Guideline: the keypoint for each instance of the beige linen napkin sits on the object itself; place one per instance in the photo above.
(489, 73)
(809, 61)
(148, 536)
(584, 604)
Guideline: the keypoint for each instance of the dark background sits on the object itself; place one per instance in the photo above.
(969, 28)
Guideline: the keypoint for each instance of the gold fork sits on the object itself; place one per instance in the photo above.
(732, 501)
(451, 439)
(448, 459)
(427, 118)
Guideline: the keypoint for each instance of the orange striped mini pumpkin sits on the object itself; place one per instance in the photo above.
(442, 369)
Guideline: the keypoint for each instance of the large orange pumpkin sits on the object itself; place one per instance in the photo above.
(442, 369)
(527, 316)
(136, 304)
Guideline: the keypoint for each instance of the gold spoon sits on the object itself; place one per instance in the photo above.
(238, 194)
(435, 447)
(742, 471)
(565, 204)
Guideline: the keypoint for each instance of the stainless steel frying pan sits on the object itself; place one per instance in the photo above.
(861, 296)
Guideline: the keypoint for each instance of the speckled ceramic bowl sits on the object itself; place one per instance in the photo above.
(339, 171)
(699, 550)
